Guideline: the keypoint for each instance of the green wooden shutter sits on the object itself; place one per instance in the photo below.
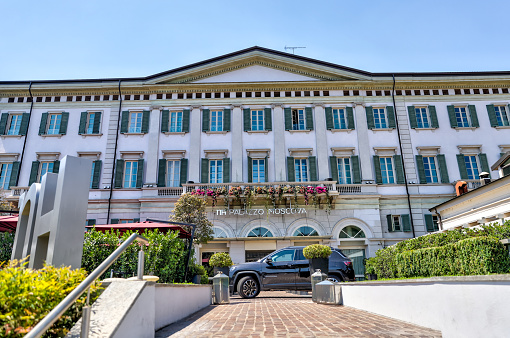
(23, 129)
(266, 173)
(185, 120)
(124, 122)
(95, 175)
(33, 172)
(377, 167)
(329, 118)
(369, 111)
(268, 122)
(14, 174)
(119, 174)
(434, 123)
(452, 117)
(3, 123)
(91, 222)
(97, 122)
(165, 118)
(399, 169)
(162, 173)
(391, 117)
(291, 174)
(429, 223)
(443, 169)
(63, 123)
(406, 222)
(309, 118)
(350, 118)
(247, 119)
(462, 166)
(205, 120)
(226, 119)
(492, 115)
(411, 111)
(136, 220)
(484, 163)
(146, 117)
(139, 174)
(205, 171)
(226, 170)
(42, 126)
(474, 116)
(114, 221)
(288, 118)
(83, 123)
(389, 220)
(312, 162)
(56, 166)
(421, 169)
(333, 166)
(356, 173)
(184, 171)
(250, 170)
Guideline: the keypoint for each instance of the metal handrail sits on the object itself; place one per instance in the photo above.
(55, 314)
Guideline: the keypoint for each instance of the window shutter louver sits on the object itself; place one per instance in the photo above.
(484, 164)
(184, 171)
(399, 169)
(389, 220)
(247, 119)
(42, 126)
(412, 117)
(429, 223)
(452, 117)
(165, 118)
(377, 167)
(139, 174)
(492, 115)
(329, 118)
(33, 172)
(474, 116)
(24, 124)
(205, 120)
(421, 169)
(124, 122)
(226, 170)
(119, 173)
(185, 120)
(205, 171)
(250, 170)
(97, 122)
(309, 118)
(226, 119)
(291, 175)
(114, 221)
(356, 173)
(95, 175)
(3, 123)
(350, 118)
(63, 123)
(333, 166)
(162, 173)
(462, 167)
(56, 166)
(391, 117)
(443, 169)
(312, 162)
(288, 118)
(146, 117)
(268, 122)
(266, 173)
(406, 222)
(83, 123)
(434, 123)
(14, 174)
(369, 111)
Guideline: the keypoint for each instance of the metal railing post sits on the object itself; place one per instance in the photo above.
(141, 262)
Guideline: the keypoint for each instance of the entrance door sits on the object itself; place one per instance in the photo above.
(357, 257)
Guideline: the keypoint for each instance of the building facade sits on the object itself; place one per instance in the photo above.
(388, 147)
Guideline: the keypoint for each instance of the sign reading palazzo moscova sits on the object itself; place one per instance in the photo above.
(253, 212)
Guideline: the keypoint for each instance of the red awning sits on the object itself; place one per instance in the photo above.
(8, 223)
(141, 226)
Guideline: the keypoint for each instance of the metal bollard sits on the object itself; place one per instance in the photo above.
(141, 262)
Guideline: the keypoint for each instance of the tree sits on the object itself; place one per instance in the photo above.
(191, 209)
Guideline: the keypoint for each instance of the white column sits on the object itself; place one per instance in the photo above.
(195, 142)
(321, 143)
(367, 173)
(279, 143)
(237, 144)
(151, 172)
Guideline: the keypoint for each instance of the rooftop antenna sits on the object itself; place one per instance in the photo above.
(293, 49)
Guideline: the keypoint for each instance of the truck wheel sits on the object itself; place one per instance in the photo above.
(337, 279)
(248, 287)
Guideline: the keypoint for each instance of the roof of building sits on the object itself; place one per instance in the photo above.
(501, 161)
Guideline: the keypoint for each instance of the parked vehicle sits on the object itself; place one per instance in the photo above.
(284, 269)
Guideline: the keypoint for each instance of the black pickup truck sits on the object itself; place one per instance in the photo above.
(284, 269)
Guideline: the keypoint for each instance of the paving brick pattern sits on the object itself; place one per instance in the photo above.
(280, 314)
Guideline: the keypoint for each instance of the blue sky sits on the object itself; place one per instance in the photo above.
(98, 39)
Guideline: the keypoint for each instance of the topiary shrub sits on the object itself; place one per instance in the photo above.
(316, 251)
(220, 260)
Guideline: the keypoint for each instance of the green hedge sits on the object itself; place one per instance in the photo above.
(6, 243)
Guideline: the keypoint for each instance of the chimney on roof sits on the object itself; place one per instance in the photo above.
(461, 188)
(485, 178)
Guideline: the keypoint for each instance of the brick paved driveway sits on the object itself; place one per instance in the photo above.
(280, 314)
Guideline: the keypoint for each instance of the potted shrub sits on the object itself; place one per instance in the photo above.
(318, 257)
(199, 274)
(221, 261)
(370, 270)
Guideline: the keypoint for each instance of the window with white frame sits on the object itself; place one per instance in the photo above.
(380, 118)
(472, 167)
(44, 167)
(339, 118)
(260, 232)
(422, 117)
(130, 174)
(387, 173)
(397, 224)
(54, 121)
(257, 120)
(258, 170)
(175, 122)
(215, 171)
(219, 233)
(135, 122)
(430, 166)
(216, 120)
(305, 231)
(298, 119)
(91, 120)
(5, 175)
(344, 170)
(502, 116)
(124, 221)
(173, 173)
(14, 124)
(301, 169)
(462, 116)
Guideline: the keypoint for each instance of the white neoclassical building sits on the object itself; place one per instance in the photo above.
(387, 146)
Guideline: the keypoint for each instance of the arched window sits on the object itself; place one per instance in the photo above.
(305, 231)
(351, 231)
(219, 233)
(260, 232)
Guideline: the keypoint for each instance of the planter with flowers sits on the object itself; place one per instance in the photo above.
(221, 261)
(318, 257)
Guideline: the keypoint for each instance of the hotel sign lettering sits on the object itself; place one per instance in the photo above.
(256, 212)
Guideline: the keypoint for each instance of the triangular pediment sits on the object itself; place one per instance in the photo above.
(256, 73)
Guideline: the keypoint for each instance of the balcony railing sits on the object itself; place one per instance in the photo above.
(171, 191)
(331, 186)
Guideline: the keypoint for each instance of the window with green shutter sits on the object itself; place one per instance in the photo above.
(309, 118)
(333, 167)
(431, 223)
(443, 169)
(434, 123)
(377, 169)
(205, 120)
(391, 117)
(124, 122)
(63, 123)
(399, 169)
(185, 120)
(226, 119)
(119, 174)
(328, 111)
(474, 116)
(350, 118)
(250, 170)
(412, 117)
(34, 171)
(462, 167)
(291, 175)
(406, 222)
(268, 122)
(247, 119)
(139, 174)
(3, 123)
(96, 172)
(226, 170)
(165, 120)
(204, 174)
(288, 118)
(42, 125)
(356, 172)
(312, 163)
(146, 116)
(162, 172)
(184, 171)
(114, 221)
(369, 112)
(13, 180)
